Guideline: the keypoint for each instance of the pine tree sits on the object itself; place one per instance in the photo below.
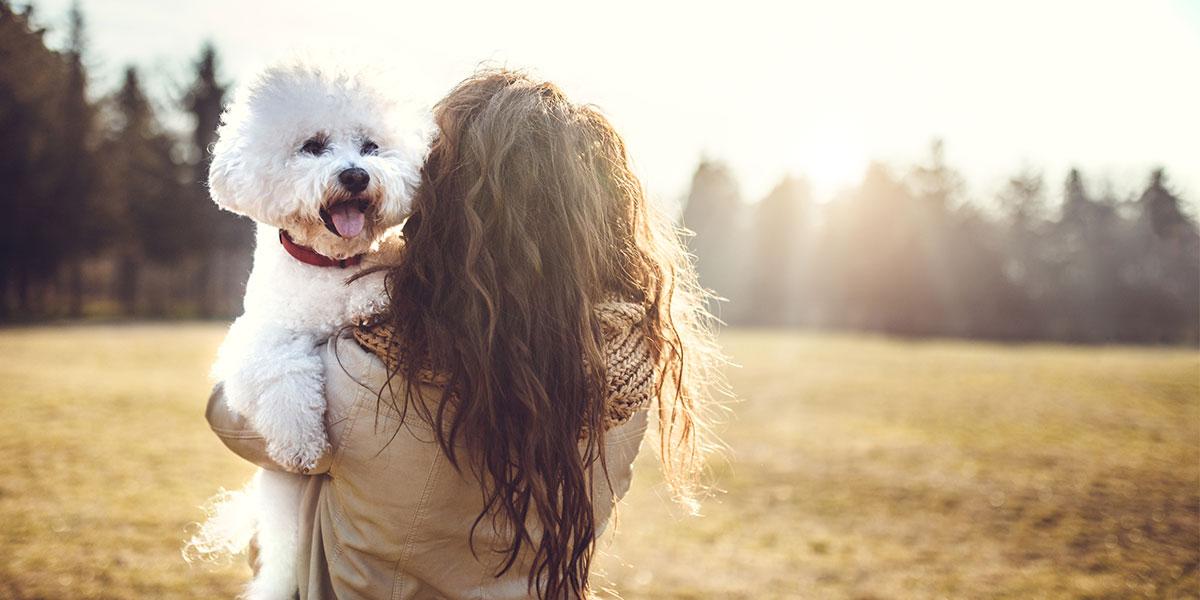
(144, 188)
(204, 100)
(778, 235)
(935, 182)
(79, 230)
(881, 266)
(937, 191)
(227, 238)
(1088, 254)
(1160, 210)
(1166, 247)
(964, 254)
(1023, 200)
(32, 80)
(1024, 251)
(714, 213)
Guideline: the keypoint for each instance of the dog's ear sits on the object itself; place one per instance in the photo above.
(225, 174)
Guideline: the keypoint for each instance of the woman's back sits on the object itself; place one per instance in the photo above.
(392, 517)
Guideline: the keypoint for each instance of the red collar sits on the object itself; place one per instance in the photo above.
(309, 256)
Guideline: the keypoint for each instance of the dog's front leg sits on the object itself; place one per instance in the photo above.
(275, 378)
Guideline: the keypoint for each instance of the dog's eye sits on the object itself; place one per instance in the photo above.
(369, 148)
(313, 146)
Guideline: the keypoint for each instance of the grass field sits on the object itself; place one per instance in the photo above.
(860, 468)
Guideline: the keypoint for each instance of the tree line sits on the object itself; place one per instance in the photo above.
(105, 213)
(910, 254)
(105, 208)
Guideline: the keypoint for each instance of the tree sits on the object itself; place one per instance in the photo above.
(937, 192)
(935, 182)
(144, 188)
(714, 213)
(774, 293)
(1160, 209)
(1166, 247)
(875, 274)
(204, 101)
(78, 231)
(1087, 263)
(1023, 206)
(965, 252)
(227, 239)
(1023, 200)
(32, 79)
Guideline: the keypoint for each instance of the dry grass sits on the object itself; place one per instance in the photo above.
(861, 468)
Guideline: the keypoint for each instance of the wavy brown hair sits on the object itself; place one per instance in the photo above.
(528, 215)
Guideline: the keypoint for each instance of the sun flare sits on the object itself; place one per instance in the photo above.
(831, 161)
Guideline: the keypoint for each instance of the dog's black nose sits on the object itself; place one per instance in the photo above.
(354, 179)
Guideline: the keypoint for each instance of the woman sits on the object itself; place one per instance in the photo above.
(484, 425)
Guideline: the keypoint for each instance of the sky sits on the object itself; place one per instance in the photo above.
(813, 89)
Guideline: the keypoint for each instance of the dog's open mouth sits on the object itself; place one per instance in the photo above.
(346, 218)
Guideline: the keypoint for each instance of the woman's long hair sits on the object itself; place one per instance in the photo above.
(528, 215)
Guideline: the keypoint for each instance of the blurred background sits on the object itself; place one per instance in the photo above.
(956, 243)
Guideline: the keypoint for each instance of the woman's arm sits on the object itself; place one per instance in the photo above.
(237, 435)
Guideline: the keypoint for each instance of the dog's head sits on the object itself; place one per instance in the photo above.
(321, 153)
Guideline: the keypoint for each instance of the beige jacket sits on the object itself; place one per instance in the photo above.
(385, 514)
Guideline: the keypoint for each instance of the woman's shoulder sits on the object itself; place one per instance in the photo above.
(350, 372)
(380, 341)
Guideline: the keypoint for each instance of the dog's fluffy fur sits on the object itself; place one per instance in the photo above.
(268, 362)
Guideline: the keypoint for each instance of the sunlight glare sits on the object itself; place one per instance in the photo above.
(831, 160)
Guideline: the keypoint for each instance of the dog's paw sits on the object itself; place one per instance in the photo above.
(298, 458)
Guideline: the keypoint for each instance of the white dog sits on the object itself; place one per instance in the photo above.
(326, 164)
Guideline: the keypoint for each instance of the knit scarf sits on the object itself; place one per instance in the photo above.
(629, 367)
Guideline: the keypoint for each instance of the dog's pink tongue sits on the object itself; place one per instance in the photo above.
(347, 219)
